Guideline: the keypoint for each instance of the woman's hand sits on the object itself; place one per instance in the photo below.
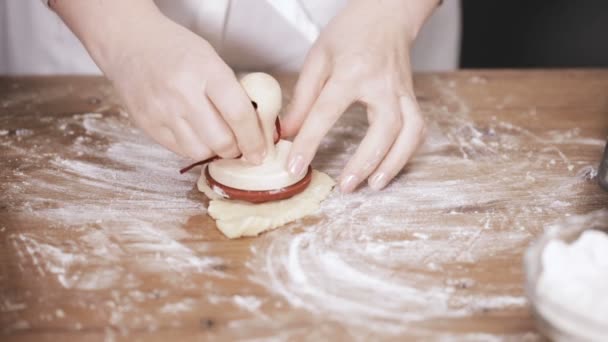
(173, 84)
(362, 55)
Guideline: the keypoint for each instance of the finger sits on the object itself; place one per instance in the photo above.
(332, 102)
(385, 124)
(158, 132)
(188, 141)
(312, 78)
(236, 109)
(208, 124)
(404, 147)
(164, 136)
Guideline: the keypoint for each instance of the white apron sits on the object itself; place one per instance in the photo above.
(249, 35)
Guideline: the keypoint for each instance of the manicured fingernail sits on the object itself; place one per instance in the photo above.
(296, 165)
(377, 181)
(348, 183)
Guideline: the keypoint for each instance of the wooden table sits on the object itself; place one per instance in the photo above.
(102, 238)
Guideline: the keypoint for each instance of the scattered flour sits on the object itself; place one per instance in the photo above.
(378, 261)
(107, 211)
(249, 303)
(7, 306)
(177, 307)
(371, 263)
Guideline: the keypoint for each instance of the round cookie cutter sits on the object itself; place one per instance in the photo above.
(250, 195)
(258, 196)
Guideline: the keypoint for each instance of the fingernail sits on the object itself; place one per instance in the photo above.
(296, 165)
(348, 183)
(377, 181)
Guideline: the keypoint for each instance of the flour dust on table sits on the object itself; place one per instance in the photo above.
(103, 210)
(107, 196)
(378, 260)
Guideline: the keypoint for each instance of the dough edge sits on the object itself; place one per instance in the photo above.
(238, 218)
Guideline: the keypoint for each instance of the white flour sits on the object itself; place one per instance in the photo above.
(378, 261)
(574, 279)
(131, 229)
(146, 196)
(373, 263)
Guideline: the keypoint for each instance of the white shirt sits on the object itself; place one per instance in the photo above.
(249, 35)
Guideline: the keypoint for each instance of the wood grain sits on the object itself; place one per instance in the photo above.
(46, 255)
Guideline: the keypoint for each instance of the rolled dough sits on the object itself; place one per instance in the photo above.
(237, 218)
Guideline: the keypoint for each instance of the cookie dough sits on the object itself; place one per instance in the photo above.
(237, 218)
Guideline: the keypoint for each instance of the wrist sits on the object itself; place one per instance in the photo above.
(108, 28)
(413, 13)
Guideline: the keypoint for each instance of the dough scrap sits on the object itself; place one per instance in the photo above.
(238, 218)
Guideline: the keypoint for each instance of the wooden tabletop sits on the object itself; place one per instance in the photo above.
(103, 239)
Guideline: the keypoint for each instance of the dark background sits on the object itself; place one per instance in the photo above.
(534, 34)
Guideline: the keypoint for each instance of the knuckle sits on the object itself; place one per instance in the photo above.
(234, 118)
(354, 65)
(199, 155)
(224, 144)
(252, 147)
(181, 79)
(221, 77)
(239, 115)
(233, 153)
(346, 76)
(177, 114)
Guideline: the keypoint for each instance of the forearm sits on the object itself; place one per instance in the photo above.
(103, 26)
(420, 11)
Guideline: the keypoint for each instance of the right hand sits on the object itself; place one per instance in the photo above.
(180, 92)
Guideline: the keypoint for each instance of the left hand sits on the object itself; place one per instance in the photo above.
(362, 55)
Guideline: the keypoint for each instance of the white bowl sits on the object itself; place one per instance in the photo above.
(553, 319)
